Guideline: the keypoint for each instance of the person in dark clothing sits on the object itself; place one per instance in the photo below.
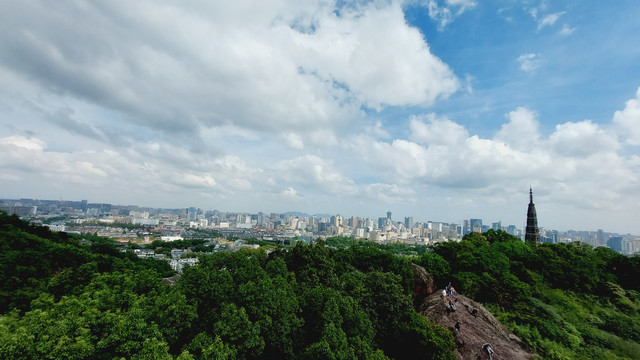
(457, 326)
(487, 347)
(450, 306)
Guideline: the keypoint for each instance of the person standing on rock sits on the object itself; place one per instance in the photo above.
(487, 347)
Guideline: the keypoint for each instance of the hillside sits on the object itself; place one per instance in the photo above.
(474, 330)
(470, 324)
(564, 301)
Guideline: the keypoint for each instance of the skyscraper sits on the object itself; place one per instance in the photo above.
(476, 225)
(532, 235)
(408, 222)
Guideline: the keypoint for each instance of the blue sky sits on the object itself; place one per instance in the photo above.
(441, 110)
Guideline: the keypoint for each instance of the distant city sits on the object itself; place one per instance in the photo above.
(135, 223)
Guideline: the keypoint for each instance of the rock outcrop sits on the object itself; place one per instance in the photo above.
(423, 285)
(470, 328)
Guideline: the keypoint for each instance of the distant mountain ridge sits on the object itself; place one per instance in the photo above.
(302, 214)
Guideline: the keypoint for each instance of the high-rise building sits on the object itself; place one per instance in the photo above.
(532, 234)
(408, 222)
(381, 222)
(466, 227)
(389, 215)
(496, 225)
(615, 243)
(476, 225)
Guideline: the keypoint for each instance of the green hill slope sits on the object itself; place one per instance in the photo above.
(566, 301)
(64, 300)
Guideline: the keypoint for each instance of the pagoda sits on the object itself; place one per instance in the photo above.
(532, 234)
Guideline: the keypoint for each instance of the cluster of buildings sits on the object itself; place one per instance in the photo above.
(133, 222)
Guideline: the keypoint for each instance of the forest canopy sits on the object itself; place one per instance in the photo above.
(81, 297)
(64, 300)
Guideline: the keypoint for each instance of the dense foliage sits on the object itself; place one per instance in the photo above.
(64, 300)
(567, 301)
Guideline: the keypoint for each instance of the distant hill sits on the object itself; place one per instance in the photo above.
(301, 214)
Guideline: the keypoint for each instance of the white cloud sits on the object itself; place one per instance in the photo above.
(23, 142)
(628, 120)
(580, 164)
(23, 157)
(290, 193)
(376, 131)
(581, 139)
(445, 13)
(521, 132)
(265, 67)
(549, 19)
(310, 171)
(566, 30)
(293, 140)
(431, 130)
(376, 56)
(529, 62)
(388, 193)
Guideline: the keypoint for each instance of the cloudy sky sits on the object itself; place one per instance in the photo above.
(437, 109)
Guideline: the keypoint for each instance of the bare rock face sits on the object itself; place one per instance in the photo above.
(469, 322)
(423, 284)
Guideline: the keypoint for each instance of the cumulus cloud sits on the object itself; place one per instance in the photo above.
(310, 171)
(430, 129)
(298, 66)
(628, 120)
(529, 62)
(290, 193)
(378, 65)
(581, 139)
(521, 132)
(23, 142)
(293, 140)
(133, 173)
(23, 157)
(580, 163)
(388, 193)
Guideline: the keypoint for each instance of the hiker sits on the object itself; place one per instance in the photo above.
(474, 312)
(487, 347)
(450, 306)
(448, 289)
(457, 326)
(453, 291)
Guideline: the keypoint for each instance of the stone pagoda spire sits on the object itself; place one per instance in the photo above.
(532, 235)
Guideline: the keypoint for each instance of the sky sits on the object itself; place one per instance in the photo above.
(442, 110)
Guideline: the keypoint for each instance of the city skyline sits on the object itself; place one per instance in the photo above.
(462, 223)
(432, 109)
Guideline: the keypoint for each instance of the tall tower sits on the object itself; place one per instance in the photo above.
(532, 235)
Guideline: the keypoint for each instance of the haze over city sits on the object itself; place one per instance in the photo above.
(439, 110)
